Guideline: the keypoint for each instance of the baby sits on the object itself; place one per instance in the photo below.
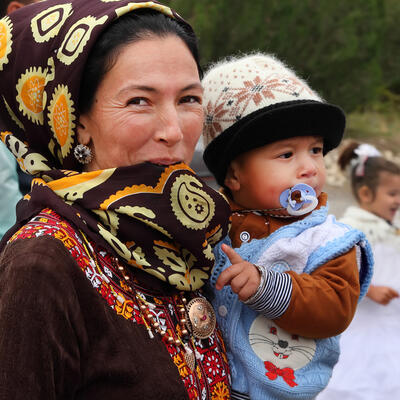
(293, 278)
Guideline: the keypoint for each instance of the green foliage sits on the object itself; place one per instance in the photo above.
(347, 50)
(383, 126)
(391, 45)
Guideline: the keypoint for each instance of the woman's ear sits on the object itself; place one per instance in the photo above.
(82, 125)
(232, 181)
(365, 195)
(14, 6)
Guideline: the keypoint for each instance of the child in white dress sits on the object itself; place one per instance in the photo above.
(369, 363)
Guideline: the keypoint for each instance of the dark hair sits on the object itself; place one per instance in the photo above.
(373, 168)
(130, 28)
(4, 5)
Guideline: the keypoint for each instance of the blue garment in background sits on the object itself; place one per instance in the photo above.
(9, 189)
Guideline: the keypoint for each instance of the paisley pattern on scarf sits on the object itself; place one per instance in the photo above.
(210, 378)
(167, 227)
(163, 220)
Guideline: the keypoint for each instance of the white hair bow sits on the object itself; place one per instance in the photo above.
(363, 152)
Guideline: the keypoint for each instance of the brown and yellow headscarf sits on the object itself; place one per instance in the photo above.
(164, 220)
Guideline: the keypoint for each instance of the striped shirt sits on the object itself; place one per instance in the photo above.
(273, 296)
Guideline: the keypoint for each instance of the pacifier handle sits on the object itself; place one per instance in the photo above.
(301, 205)
(304, 210)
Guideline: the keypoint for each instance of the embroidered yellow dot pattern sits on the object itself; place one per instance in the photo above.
(31, 96)
(5, 40)
(61, 118)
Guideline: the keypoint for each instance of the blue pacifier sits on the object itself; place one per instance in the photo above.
(299, 200)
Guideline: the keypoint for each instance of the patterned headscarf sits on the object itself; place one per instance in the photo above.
(160, 219)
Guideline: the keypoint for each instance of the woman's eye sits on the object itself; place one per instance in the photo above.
(317, 150)
(286, 155)
(139, 101)
(191, 99)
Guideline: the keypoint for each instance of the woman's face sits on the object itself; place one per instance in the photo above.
(147, 107)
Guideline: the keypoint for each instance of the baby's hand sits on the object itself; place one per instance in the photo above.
(243, 276)
(382, 294)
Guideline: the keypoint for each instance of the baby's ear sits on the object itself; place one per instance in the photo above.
(232, 181)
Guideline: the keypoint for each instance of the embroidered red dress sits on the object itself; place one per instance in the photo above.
(83, 304)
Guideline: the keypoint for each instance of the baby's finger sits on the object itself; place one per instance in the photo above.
(239, 282)
(234, 257)
(226, 276)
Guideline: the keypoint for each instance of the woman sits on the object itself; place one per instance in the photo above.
(100, 277)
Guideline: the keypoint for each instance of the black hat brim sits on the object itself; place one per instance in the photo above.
(270, 124)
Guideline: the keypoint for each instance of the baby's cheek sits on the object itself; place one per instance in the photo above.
(268, 196)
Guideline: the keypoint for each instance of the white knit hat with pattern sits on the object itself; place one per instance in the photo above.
(255, 100)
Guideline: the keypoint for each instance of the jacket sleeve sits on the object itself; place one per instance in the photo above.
(323, 303)
(39, 343)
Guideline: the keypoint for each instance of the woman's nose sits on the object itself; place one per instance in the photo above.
(169, 129)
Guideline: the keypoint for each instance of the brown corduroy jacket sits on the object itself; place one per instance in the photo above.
(77, 347)
(323, 303)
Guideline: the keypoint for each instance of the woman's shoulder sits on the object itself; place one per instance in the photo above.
(35, 257)
(46, 223)
(38, 274)
(44, 245)
(44, 264)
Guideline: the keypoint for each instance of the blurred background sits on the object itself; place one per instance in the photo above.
(349, 51)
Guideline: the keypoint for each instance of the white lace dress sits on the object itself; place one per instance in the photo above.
(369, 363)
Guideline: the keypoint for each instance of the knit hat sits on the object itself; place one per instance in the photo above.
(256, 100)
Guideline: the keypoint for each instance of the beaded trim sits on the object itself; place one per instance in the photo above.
(210, 378)
(265, 212)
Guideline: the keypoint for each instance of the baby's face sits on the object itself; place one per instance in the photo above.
(259, 176)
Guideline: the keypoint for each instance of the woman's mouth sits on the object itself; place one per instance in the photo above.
(164, 161)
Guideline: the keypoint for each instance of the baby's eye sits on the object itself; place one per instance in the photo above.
(272, 330)
(138, 101)
(317, 150)
(191, 99)
(286, 155)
